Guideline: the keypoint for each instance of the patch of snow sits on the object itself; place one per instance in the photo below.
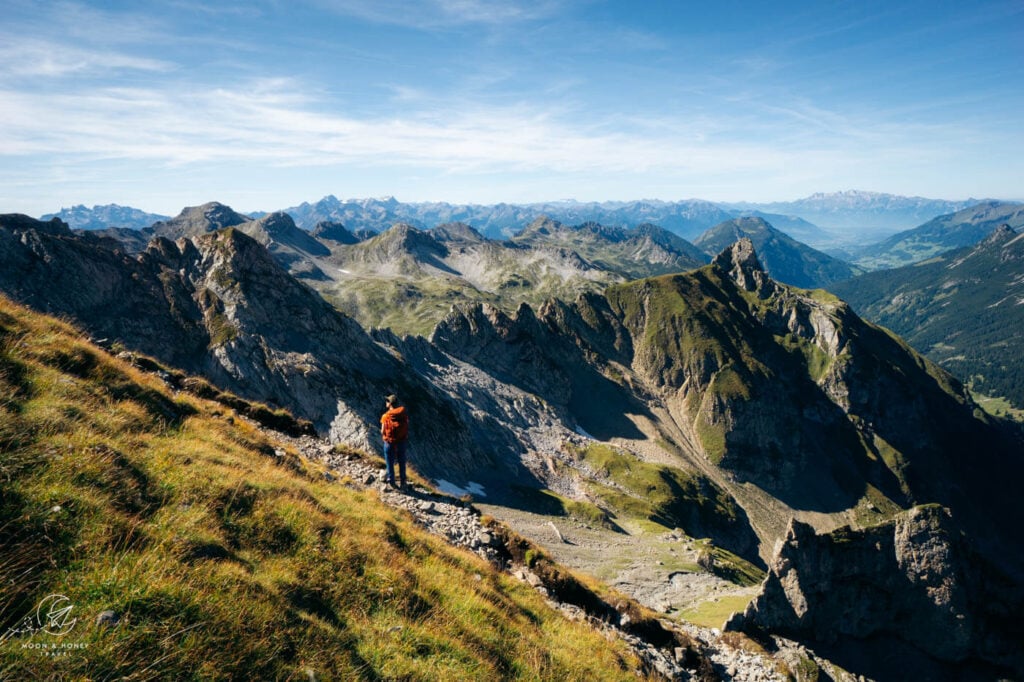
(472, 488)
(344, 272)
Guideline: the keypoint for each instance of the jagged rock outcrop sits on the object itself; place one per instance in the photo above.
(913, 582)
(743, 267)
(784, 258)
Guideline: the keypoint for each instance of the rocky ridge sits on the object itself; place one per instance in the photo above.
(707, 371)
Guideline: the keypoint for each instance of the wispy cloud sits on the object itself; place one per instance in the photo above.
(29, 57)
(269, 121)
(82, 23)
(433, 14)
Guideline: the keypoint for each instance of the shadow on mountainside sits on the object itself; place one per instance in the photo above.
(600, 406)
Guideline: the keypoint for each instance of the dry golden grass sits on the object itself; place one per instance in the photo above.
(222, 562)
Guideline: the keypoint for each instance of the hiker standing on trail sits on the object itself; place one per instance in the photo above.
(394, 428)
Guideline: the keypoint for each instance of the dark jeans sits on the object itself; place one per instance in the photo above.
(395, 452)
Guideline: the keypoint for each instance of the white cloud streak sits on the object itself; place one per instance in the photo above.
(40, 58)
(434, 14)
(272, 123)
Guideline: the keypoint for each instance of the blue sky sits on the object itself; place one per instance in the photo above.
(268, 103)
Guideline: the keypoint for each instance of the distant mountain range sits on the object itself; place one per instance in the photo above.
(406, 278)
(964, 310)
(825, 221)
(857, 213)
(944, 233)
(99, 217)
(499, 221)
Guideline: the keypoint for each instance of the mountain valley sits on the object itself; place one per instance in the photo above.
(677, 427)
(716, 403)
(962, 309)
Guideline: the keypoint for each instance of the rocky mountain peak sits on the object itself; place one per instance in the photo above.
(277, 223)
(404, 238)
(278, 231)
(195, 220)
(741, 264)
(17, 222)
(1000, 235)
(456, 232)
(543, 225)
(326, 229)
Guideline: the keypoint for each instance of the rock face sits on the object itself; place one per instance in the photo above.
(219, 305)
(912, 580)
(335, 232)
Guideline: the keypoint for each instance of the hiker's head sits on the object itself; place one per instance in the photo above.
(392, 400)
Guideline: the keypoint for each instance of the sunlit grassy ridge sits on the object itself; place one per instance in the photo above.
(223, 559)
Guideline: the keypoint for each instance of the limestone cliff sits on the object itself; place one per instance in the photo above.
(911, 585)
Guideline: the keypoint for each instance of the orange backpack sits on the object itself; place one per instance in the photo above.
(395, 425)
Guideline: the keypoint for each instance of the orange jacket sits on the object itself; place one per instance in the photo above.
(394, 424)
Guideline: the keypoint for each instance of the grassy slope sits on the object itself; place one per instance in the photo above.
(221, 560)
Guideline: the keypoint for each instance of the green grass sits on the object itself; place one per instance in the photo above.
(816, 360)
(414, 304)
(714, 613)
(998, 406)
(549, 503)
(223, 562)
(729, 566)
(660, 494)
